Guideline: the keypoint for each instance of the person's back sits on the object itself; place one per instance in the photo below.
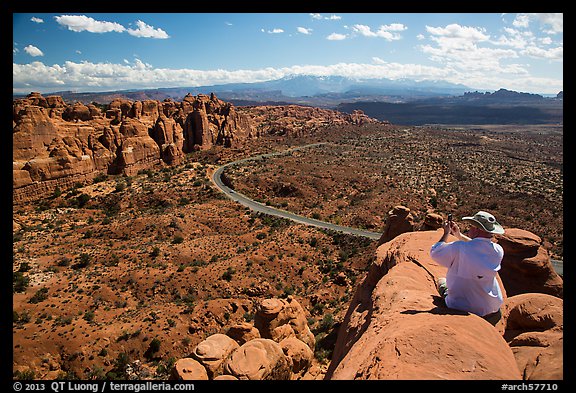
(471, 277)
(473, 263)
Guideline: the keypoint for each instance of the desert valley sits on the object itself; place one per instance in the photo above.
(128, 261)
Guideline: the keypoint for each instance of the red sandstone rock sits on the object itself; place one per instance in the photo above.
(299, 354)
(213, 352)
(243, 332)
(399, 220)
(278, 319)
(397, 328)
(189, 369)
(526, 266)
(533, 324)
(131, 136)
(259, 359)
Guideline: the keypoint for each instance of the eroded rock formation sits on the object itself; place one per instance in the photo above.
(279, 346)
(58, 145)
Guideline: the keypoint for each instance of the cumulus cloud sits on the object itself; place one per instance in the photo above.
(79, 23)
(527, 44)
(85, 75)
(304, 30)
(336, 37)
(147, 31)
(321, 17)
(551, 23)
(388, 32)
(456, 32)
(33, 51)
(273, 31)
(37, 20)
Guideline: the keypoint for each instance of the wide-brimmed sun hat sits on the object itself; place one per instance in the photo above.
(485, 221)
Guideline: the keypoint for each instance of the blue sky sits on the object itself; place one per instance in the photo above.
(114, 51)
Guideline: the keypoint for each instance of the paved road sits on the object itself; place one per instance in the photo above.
(262, 208)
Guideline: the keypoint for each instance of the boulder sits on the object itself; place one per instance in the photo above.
(278, 319)
(188, 369)
(243, 332)
(432, 221)
(259, 359)
(526, 266)
(398, 221)
(299, 354)
(213, 351)
(533, 327)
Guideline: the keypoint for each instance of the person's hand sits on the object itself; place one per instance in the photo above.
(454, 229)
(447, 227)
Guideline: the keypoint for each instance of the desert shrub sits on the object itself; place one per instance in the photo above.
(19, 282)
(153, 348)
(39, 296)
(227, 275)
(83, 261)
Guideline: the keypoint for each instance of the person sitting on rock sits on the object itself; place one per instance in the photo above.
(473, 262)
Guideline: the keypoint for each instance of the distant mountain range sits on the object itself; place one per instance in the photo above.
(401, 101)
(328, 90)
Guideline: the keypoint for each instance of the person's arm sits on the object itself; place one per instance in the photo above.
(446, 226)
(442, 251)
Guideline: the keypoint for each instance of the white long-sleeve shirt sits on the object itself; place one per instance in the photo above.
(471, 277)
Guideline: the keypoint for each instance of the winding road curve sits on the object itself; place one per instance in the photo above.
(262, 208)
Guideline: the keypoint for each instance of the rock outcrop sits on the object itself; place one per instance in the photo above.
(397, 327)
(296, 120)
(279, 346)
(526, 266)
(58, 145)
(533, 325)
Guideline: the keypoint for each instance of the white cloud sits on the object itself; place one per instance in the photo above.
(555, 21)
(385, 31)
(37, 76)
(457, 32)
(37, 20)
(552, 23)
(78, 23)
(521, 20)
(273, 31)
(320, 17)
(33, 51)
(304, 30)
(556, 53)
(147, 31)
(336, 37)
(528, 45)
